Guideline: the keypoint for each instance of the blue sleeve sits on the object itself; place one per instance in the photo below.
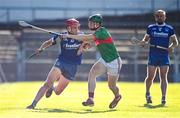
(54, 39)
(171, 32)
(148, 31)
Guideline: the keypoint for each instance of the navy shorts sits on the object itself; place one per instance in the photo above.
(158, 60)
(68, 70)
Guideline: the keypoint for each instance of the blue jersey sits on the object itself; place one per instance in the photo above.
(69, 48)
(159, 36)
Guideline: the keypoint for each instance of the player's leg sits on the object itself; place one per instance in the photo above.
(62, 84)
(67, 74)
(163, 82)
(113, 70)
(112, 80)
(163, 72)
(52, 76)
(97, 69)
(151, 72)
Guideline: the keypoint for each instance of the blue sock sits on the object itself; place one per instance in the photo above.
(34, 103)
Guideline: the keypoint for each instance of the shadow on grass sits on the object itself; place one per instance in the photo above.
(81, 111)
(154, 106)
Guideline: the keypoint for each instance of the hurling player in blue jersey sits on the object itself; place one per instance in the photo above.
(66, 64)
(162, 40)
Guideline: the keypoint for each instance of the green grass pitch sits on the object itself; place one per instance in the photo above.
(15, 97)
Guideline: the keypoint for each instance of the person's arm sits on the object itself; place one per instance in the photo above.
(48, 43)
(81, 37)
(145, 40)
(174, 42)
(84, 47)
(45, 45)
(146, 37)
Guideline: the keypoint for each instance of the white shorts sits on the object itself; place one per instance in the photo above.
(114, 67)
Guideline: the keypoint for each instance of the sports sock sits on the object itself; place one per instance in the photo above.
(163, 98)
(91, 95)
(147, 94)
(34, 103)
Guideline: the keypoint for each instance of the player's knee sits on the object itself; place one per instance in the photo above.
(91, 77)
(57, 92)
(149, 78)
(92, 74)
(163, 79)
(163, 76)
(112, 87)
